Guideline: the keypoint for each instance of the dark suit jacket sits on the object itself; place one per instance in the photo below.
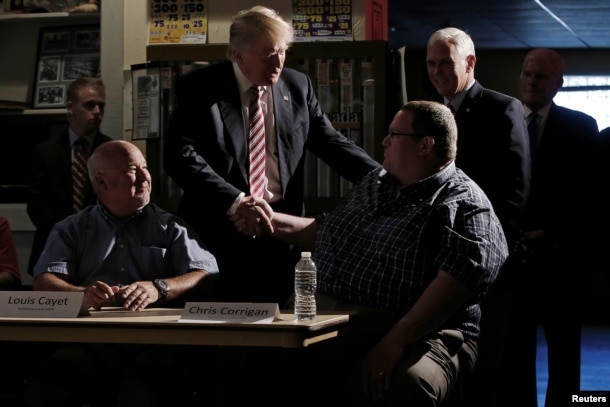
(564, 202)
(206, 154)
(493, 149)
(565, 198)
(49, 197)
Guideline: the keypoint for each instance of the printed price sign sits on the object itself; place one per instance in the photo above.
(178, 22)
(322, 20)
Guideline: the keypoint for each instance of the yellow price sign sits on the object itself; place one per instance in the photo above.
(322, 20)
(178, 22)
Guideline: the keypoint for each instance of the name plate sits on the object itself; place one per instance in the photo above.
(234, 312)
(40, 304)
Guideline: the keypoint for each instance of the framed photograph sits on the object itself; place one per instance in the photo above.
(77, 66)
(51, 96)
(87, 40)
(147, 95)
(64, 54)
(48, 69)
(56, 41)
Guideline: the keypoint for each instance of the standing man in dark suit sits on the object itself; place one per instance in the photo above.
(558, 238)
(493, 151)
(50, 190)
(206, 152)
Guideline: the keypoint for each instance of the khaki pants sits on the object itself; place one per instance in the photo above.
(425, 375)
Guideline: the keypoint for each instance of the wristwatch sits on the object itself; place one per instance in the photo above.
(163, 288)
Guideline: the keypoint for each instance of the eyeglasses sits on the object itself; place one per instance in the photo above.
(396, 134)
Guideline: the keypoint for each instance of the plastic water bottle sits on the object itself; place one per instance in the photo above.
(305, 283)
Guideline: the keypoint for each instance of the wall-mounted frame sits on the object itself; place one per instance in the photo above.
(150, 90)
(64, 54)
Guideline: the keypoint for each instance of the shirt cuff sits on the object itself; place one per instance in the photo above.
(233, 207)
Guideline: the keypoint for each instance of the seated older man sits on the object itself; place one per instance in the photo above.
(127, 252)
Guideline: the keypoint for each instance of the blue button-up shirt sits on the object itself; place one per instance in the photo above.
(93, 245)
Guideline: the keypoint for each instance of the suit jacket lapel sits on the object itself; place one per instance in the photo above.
(231, 112)
(550, 122)
(65, 157)
(470, 101)
(282, 106)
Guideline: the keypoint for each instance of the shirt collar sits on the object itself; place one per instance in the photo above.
(244, 84)
(543, 113)
(110, 217)
(435, 180)
(430, 183)
(75, 137)
(459, 98)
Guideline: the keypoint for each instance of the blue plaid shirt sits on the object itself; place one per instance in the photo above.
(93, 245)
(385, 245)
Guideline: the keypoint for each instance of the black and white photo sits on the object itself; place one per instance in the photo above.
(56, 41)
(77, 66)
(65, 54)
(87, 39)
(51, 96)
(48, 69)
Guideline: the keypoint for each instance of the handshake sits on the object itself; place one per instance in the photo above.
(253, 217)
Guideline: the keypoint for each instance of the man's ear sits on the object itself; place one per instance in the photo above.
(237, 57)
(471, 60)
(427, 145)
(99, 182)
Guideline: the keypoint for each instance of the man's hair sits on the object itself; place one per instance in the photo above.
(460, 39)
(84, 82)
(254, 23)
(435, 120)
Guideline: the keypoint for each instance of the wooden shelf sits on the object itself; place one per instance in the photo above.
(61, 111)
(48, 17)
(37, 112)
(186, 52)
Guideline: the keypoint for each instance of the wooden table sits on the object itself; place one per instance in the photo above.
(161, 326)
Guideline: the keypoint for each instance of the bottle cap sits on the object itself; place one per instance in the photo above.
(305, 254)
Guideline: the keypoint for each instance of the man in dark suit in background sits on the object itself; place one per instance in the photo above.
(493, 151)
(206, 152)
(560, 223)
(50, 190)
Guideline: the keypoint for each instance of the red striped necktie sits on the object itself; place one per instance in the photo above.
(79, 175)
(256, 144)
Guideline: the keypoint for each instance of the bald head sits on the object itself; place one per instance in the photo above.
(541, 77)
(104, 155)
(120, 177)
(547, 56)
